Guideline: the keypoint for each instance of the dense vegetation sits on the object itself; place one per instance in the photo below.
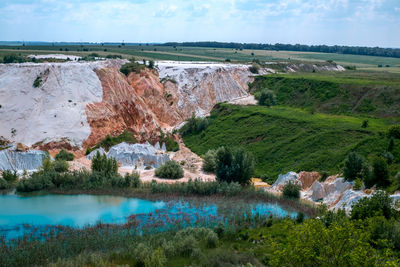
(334, 94)
(354, 50)
(369, 237)
(287, 139)
(64, 155)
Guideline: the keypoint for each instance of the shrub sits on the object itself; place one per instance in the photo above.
(397, 177)
(194, 125)
(353, 166)
(100, 163)
(37, 82)
(265, 97)
(379, 204)
(9, 176)
(61, 166)
(131, 67)
(132, 180)
(364, 124)
(209, 161)
(381, 172)
(234, 165)
(211, 239)
(170, 170)
(254, 68)
(170, 144)
(300, 217)
(394, 131)
(291, 190)
(64, 155)
(357, 184)
(151, 64)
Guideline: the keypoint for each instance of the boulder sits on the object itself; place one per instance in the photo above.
(15, 160)
(94, 152)
(131, 155)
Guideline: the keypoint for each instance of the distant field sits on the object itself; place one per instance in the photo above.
(211, 54)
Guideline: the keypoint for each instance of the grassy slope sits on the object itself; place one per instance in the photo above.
(288, 139)
(369, 93)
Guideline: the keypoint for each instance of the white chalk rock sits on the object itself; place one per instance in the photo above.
(130, 155)
(20, 161)
(94, 153)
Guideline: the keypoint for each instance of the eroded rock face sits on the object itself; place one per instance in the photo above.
(53, 110)
(19, 161)
(139, 155)
(308, 178)
(199, 86)
(284, 179)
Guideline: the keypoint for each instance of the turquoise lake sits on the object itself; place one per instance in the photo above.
(20, 214)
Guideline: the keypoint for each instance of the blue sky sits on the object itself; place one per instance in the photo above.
(342, 22)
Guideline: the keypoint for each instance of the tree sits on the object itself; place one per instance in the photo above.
(381, 172)
(151, 64)
(394, 131)
(108, 166)
(353, 166)
(380, 204)
(391, 144)
(209, 161)
(235, 165)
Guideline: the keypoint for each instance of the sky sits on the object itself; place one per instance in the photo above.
(330, 22)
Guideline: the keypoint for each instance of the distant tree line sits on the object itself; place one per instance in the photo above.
(353, 50)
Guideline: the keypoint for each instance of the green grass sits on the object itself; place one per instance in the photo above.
(290, 139)
(352, 92)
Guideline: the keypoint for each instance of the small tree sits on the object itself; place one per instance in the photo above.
(209, 161)
(151, 64)
(61, 166)
(9, 176)
(391, 144)
(170, 170)
(380, 204)
(100, 163)
(353, 166)
(234, 165)
(381, 172)
(291, 190)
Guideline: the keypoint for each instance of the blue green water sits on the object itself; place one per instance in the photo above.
(20, 214)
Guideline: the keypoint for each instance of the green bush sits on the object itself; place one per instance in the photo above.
(132, 180)
(132, 67)
(265, 97)
(391, 144)
(353, 166)
(61, 166)
(394, 131)
(291, 190)
(234, 165)
(100, 163)
(170, 143)
(357, 184)
(194, 125)
(380, 172)
(209, 161)
(170, 170)
(211, 239)
(379, 204)
(37, 82)
(9, 176)
(64, 155)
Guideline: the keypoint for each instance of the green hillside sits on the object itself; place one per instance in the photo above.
(289, 139)
(367, 93)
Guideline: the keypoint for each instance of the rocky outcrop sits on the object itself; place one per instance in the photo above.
(284, 179)
(199, 86)
(137, 155)
(92, 154)
(19, 161)
(55, 109)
